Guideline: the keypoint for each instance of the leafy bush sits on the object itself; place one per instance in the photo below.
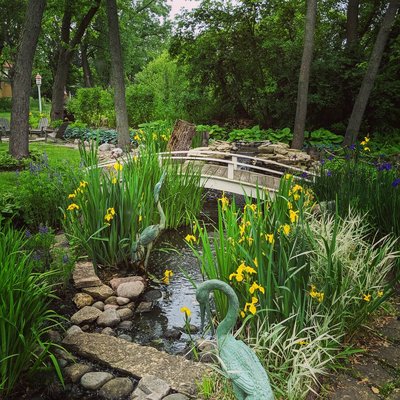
(216, 132)
(322, 137)
(41, 190)
(154, 135)
(93, 106)
(25, 317)
(87, 134)
(5, 104)
(110, 208)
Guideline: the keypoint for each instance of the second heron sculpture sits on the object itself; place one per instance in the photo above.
(239, 362)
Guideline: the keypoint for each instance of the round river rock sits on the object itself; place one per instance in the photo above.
(117, 388)
(94, 380)
(130, 290)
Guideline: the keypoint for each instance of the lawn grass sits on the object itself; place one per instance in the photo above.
(56, 154)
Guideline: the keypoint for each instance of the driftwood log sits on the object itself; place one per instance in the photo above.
(182, 136)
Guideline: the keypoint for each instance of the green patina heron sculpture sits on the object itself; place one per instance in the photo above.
(250, 381)
(149, 234)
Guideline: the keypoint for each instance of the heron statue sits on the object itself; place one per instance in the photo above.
(239, 362)
(149, 234)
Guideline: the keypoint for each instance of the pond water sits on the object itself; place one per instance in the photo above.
(162, 326)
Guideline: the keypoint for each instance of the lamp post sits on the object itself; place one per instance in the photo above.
(38, 83)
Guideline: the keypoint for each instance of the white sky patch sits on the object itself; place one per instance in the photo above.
(176, 5)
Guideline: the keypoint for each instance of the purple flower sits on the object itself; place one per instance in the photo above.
(36, 256)
(304, 175)
(352, 147)
(384, 167)
(65, 259)
(43, 229)
(329, 173)
(322, 162)
(396, 182)
(28, 233)
(330, 158)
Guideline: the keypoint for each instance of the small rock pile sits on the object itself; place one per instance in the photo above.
(103, 307)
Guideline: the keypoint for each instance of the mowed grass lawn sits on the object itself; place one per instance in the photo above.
(57, 154)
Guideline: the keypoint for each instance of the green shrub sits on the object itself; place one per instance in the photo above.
(154, 135)
(5, 104)
(139, 104)
(25, 317)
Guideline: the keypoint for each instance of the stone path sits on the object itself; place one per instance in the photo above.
(375, 373)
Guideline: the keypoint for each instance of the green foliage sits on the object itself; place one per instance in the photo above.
(216, 132)
(38, 245)
(154, 135)
(93, 106)
(111, 207)
(25, 317)
(5, 104)
(322, 137)
(87, 134)
(41, 190)
(370, 189)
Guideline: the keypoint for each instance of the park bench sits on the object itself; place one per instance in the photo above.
(42, 127)
(4, 127)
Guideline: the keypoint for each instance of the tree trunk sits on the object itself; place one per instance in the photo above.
(19, 138)
(304, 77)
(352, 23)
(367, 84)
(66, 52)
(87, 74)
(117, 75)
(182, 136)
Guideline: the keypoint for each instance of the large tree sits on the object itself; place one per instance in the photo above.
(304, 77)
(21, 83)
(367, 84)
(117, 75)
(67, 49)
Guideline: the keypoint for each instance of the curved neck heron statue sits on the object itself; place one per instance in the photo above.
(249, 379)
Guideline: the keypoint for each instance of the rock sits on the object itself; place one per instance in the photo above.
(73, 330)
(110, 307)
(122, 301)
(117, 388)
(105, 147)
(99, 292)
(65, 355)
(62, 363)
(94, 380)
(82, 299)
(127, 325)
(131, 290)
(108, 331)
(108, 318)
(85, 328)
(130, 305)
(176, 396)
(74, 372)
(152, 295)
(125, 337)
(54, 336)
(133, 359)
(111, 300)
(151, 387)
(117, 152)
(144, 307)
(125, 313)
(84, 275)
(206, 345)
(85, 315)
(99, 305)
(115, 282)
(172, 334)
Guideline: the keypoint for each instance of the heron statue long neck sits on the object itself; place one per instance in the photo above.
(228, 323)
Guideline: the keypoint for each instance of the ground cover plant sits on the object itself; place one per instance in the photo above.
(25, 317)
(109, 208)
(304, 280)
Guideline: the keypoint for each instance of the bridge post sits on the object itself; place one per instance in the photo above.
(230, 171)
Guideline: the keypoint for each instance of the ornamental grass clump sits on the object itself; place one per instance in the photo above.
(111, 206)
(303, 280)
(25, 317)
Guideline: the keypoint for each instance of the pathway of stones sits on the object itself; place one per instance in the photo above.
(375, 373)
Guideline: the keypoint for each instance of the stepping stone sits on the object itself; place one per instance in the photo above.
(392, 330)
(151, 387)
(390, 355)
(351, 389)
(130, 290)
(75, 372)
(82, 299)
(131, 358)
(108, 318)
(376, 374)
(117, 388)
(115, 282)
(85, 315)
(84, 275)
(99, 292)
(176, 396)
(95, 380)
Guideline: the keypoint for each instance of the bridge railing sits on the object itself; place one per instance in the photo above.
(233, 163)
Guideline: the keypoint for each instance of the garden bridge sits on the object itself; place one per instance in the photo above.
(234, 173)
